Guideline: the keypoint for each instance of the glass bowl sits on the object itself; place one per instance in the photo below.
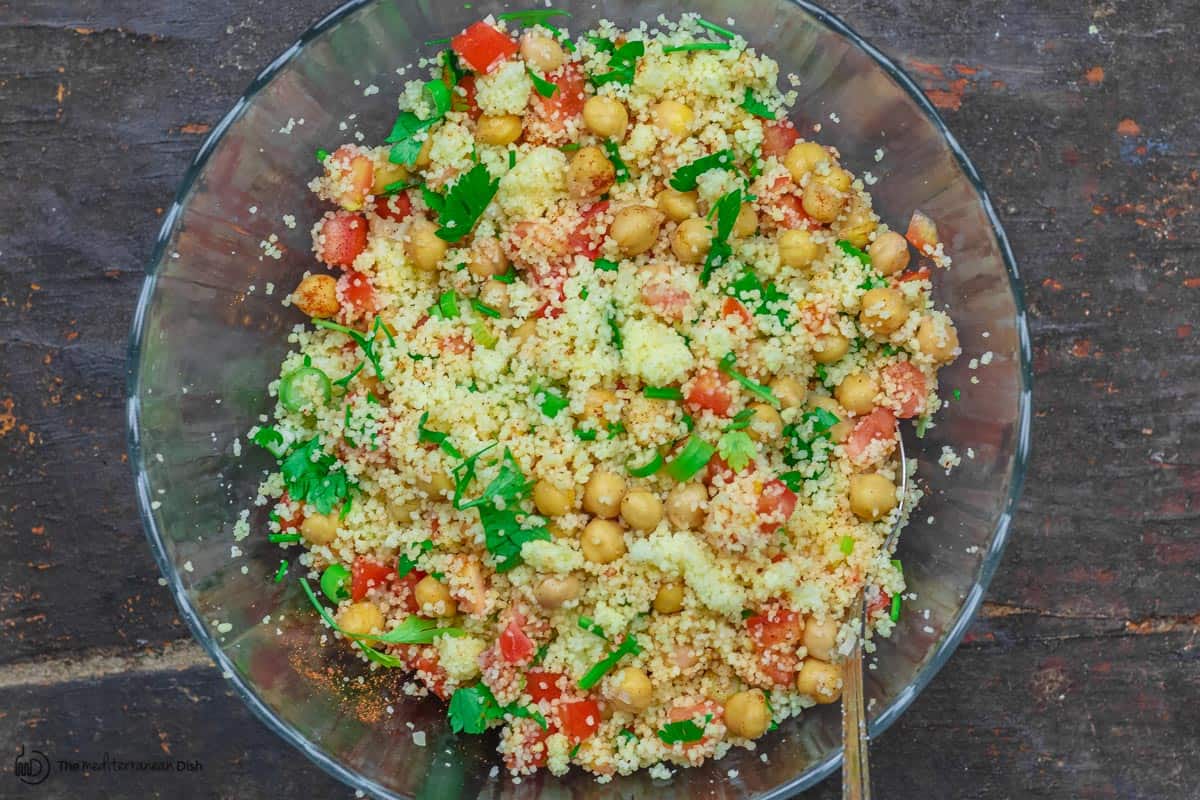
(209, 333)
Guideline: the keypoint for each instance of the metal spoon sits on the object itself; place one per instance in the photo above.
(856, 769)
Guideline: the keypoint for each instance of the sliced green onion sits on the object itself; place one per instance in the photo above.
(283, 538)
(691, 46)
(715, 28)
(482, 336)
(279, 573)
(689, 423)
(396, 186)
(484, 308)
(507, 277)
(604, 265)
(895, 610)
(590, 625)
(570, 147)
(447, 305)
(544, 87)
(614, 155)
(847, 545)
(628, 646)
(289, 392)
(512, 158)
(334, 581)
(756, 389)
(615, 429)
(586, 434)
(663, 393)
(535, 17)
(958, 394)
(439, 438)
(438, 41)
(691, 459)
(649, 468)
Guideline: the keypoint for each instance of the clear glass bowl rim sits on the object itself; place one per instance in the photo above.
(816, 772)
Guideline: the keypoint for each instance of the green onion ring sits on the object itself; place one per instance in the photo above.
(288, 390)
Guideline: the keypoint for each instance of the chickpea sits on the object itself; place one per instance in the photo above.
(423, 159)
(635, 228)
(552, 501)
(678, 205)
(319, 528)
(487, 258)
(837, 178)
(554, 591)
(386, 174)
(766, 424)
(402, 512)
(883, 310)
(603, 493)
(433, 598)
(819, 680)
(822, 202)
(857, 393)
(858, 225)
(524, 330)
(360, 618)
(494, 294)
(425, 249)
(500, 130)
(438, 484)
(803, 159)
(871, 496)
(746, 223)
(790, 391)
(747, 714)
(685, 505)
(841, 431)
(606, 117)
(541, 52)
(669, 598)
(590, 173)
(630, 690)
(937, 338)
(820, 637)
(641, 510)
(596, 405)
(673, 117)
(603, 541)
(317, 296)
(692, 240)
(797, 249)
(889, 253)
(830, 348)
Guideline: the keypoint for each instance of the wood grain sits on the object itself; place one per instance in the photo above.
(1078, 681)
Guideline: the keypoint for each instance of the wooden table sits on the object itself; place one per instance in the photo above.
(1080, 678)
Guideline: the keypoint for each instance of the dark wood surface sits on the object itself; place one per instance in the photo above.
(1080, 678)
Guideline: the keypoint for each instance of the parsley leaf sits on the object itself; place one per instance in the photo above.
(851, 250)
(310, 477)
(604, 265)
(684, 179)
(756, 106)
(726, 211)
(460, 208)
(269, 439)
(405, 565)
(803, 438)
(406, 145)
(614, 155)
(741, 420)
(737, 448)
(442, 440)
(762, 299)
(622, 61)
(473, 707)
(544, 87)
(504, 524)
(756, 389)
(683, 731)
(366, 344)
(552, 402)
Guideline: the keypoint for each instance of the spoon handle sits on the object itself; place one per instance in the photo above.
(856, 769)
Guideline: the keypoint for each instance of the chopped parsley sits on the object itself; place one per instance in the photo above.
(683, 731)
(460, 208)
(270, 440)
(506, 527)
(544, 87)
(442, 440)
(803, 438)
(552, 402)
(737, 449)
(715, 28)
(684, 179)
(726, 211)
(618, 342)
(762, 299)
(614, 155)
(322, 154)
(473, 707)
(663, 393)
(628, 647)
(853, 251)
(691, 46)
(535, 17)
(367, 345)
(755, 106)
(405, 565)
(604, 265)
(627, 734)
(622, 61)
(958, 394)
(846, 545)
(405, 136)
(756, 389)
(310, 477)
(586, 434)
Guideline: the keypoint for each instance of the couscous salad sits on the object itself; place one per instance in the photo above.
(592, 428)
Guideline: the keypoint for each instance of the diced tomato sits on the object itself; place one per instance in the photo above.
(466, 101)
(515, 646)
(921, 274)
(922, 232)
(456, 343)
(365, 574)
(780, 626)
(904, 384)
(343, 236)
(548, 311)
(425, 663)
(483, 47)
(532, 754)
(586, 238)
(778, 138)
(718, 466)
(579, 719)
(710, 390)
(356, 288)
(295, 517)
(667, 300)
(879, 424)
(776, 504)
(697, 713)
(794, 215)
(406, 590)
(395, 207)
(567, 100)
(882, 602)
(355, 175)
(732, 307)
(543, 685)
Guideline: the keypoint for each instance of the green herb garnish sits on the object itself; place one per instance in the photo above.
(310, 477)
(846, 545)
(958, 394)
(552, 402)
(853, 251)
(446, 306)
(691, 459)
(442, 440)
(279, 573)
(622, 62)
(335, 582)
(535, 17)
(588, 624)
(755, 106)
(604, 265)
(693, 46)
(404, 138)
(627, 734)
(365, 344)
(544, 87)
(473, 707)
(506, 527)
(405, 565)
(289, 392)
(269, 439)
(652, 465)
(663, 393)
(586, 434)
(762, 299)
(683, 731)
(283, 538)
(485, 309)
(628, 647)
(726, 211)
(715, 28)
(460, 208)
(322, 154)
(684, 179)
(737, 449)
(614, 155)
(756, 389)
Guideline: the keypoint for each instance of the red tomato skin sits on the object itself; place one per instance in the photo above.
(922, 274)
(365, 574)
(567, 100)
(906, 386)
(406, 588)
(483, 47)
(584, 241)
(710, 390)
(922, 232)
(344, 237)
(879, 424)
(543, 685)
(396, 207)
(358, 291)
(778, 138)
(293, 522)
(515, 646)
(781, 628)
(579, 719)
(777, 503)
(468, 98)
(732, 307)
